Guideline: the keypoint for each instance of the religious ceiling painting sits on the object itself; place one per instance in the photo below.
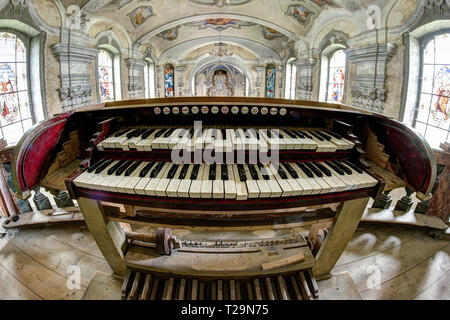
(220, 24)
(220, 3)
(140, 15)
(119, 4)
(300, 13)
(271, 34)
(324, 3)
(169, 34)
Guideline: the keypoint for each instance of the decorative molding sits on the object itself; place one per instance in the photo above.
(220, 3)
(75, 90)
(305, 84)
(332, 38)
(369, 90)
(135, 79)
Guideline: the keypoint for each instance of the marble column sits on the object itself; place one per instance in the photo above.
(135, 78)
(304, 78)
(369, 91)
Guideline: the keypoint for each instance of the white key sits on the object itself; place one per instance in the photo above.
(293, 143)
(134, 179)
(340, 184)
(217, 186)
(206, 189)
(316, 187)
(241, 188)
(297, 190)
(122, 185)
(146, 144)
(175, 138)
(97, 178)
(153, 183)
(230, 184)
(284, 184)
(140, 186)
(304, 183)
(252, 186)
(275, 189)
(172, 187)
(185, 184)
(160, 189)
(196, 185)
(263, 185)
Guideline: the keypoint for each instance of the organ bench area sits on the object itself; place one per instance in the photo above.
(225, 188)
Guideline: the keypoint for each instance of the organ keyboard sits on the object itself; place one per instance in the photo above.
(228, 169)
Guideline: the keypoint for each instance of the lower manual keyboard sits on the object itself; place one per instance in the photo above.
(224, 181)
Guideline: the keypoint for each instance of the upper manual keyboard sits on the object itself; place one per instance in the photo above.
(225, 140)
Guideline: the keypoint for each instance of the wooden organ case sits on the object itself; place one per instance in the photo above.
(237, 180)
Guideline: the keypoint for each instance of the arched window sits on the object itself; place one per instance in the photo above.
(169, 83)
(270, 81)
(16, 115)
(432, 114)
(149, 79)
(105, 76)
(291, 77)
(335, 84)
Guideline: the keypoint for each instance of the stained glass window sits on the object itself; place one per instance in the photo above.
(149, 80)
(169, 80)
(336, 77)
(105, 76)
(15, 109)
(270, 81)
(432, 115)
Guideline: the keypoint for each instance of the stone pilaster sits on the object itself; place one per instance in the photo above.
(179, 81)
(368, 90)
(135, 78)
(159, 82)
(75, 90)
(304, 78)
(280, 78)
(260, 80)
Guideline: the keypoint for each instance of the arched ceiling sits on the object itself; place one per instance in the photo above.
(265, 27)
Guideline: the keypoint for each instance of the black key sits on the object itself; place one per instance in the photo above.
(121, 132)
(194, 173)
(103, 166)
(316, 171)
(214, 133)
(323, 135)
(282, 173)
(334, 134)
(263, 172)
(335, 168)
(212, 172)
(305, 169)
(172, 171)
(241, 171)
(191, 133)
(160, 133)
(299, 134)
(224, 171)
(237, 134)
(183, 172)
(224, 134)
(123, 167)
(94, 166)
(115, 167)
(147, 133)
(354, 167)
(146, 169)
(132, 133)
(317, 136)
(133, 167)
(168, 133)
(290, 134)
(156, 169)
(269, 134)
(306, 134)
(342, 167)
(291, 170)
(323, 169)
(253, 171)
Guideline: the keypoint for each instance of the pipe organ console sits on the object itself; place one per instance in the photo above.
(238, 180)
